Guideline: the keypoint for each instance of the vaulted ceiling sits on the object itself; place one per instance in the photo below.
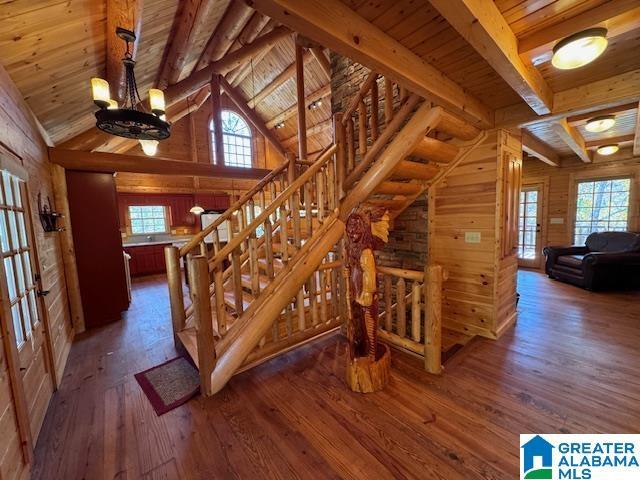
(497, 56)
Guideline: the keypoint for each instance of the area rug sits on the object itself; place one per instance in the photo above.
(170, 384)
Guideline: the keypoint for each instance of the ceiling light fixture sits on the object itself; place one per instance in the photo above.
(279, 125)
(130, 120)
(149, 147)
(315, 104)
(608, 149)
(197, 210)
(600, 124)
(579, 49)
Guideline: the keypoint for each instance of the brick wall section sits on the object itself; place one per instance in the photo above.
(407, 247)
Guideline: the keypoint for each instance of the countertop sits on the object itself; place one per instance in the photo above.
(176, 241)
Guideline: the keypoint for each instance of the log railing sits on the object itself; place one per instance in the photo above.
(410, 317)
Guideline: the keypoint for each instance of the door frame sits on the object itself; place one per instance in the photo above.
(542, 183)
(13, 164)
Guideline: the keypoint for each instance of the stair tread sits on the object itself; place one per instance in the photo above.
(230, 299)
(435, 150)
(190, 343)
(246, 280)
(415, 170)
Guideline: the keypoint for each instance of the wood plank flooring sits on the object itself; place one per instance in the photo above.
(569, 365)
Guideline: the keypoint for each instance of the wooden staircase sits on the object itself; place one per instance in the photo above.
(277, 281)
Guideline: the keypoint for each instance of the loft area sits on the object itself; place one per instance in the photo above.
(270, 238)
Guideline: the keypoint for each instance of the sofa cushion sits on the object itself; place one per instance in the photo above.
(573, 261)
(613, 242)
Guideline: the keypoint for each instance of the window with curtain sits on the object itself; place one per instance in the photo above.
(601, 206)
(236, 140)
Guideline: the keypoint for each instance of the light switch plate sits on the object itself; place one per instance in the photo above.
(556, 221)
(472, 237)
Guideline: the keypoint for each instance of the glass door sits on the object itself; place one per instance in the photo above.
(529, 230)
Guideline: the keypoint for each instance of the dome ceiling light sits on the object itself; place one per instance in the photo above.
(608, 149)
(579, 49)
(130, 120)
(600, 124)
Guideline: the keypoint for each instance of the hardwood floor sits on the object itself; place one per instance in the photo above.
(570, 365)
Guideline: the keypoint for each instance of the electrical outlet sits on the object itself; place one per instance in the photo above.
(472, 237)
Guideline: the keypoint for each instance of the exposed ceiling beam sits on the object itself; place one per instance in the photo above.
(126, 14)
(537, 148)
(323, 61)
(573, 139)
(199, 79)
(618, 16)
(112, 162)
(232, 23)
(287, 74)
(239, 73)
(482, 25)
(290, 112)
(251, 115)
(192, 20)
(351, 35)
(636, 141)
(607, 93)
(611, 140)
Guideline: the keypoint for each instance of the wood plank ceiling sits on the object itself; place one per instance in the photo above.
(52, 48)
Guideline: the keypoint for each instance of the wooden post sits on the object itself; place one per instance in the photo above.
(401, 309)
(291, 168)
(203, 320)
(68, 251)
(216, 108)
(433, 327)
(374, 111)
(174, 281)
(416, 323)
(388, 101)
(302, 121)
(362, 129)
(341, 153)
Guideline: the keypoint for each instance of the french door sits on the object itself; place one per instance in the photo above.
(529, 226)
(21, 306)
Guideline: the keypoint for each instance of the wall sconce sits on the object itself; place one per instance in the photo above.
(48, 218)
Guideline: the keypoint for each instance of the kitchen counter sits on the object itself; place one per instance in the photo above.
(172, 241)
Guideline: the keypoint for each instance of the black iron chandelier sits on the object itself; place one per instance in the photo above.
(131, 120)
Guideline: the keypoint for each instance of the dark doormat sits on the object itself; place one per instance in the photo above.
(169, 384)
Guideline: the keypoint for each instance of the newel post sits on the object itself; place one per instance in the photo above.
(203, 320)
(433, 327)
(174, 281)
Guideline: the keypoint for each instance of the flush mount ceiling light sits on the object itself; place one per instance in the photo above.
(600, 124)
(279, 125)
(579, 49)
(315, 104)
(197, 209)
(130, 120)
(608, 149)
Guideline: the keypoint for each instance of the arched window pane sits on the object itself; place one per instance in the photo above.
(236, 139)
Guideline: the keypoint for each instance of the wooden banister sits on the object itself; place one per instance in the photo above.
(362, 92)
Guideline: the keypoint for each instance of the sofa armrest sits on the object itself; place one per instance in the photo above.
(552, 254)
(603, 258)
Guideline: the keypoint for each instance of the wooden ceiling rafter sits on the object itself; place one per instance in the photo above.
(370, 46)
(636, 140)
(238, 74)
(620, 140)
(254, 27)
(291, 112)
(316, 129)
(231, 25)
(584, 117)
(539, 149)
(573, 139)
(323, 61)
(482, 25)
(126, 14)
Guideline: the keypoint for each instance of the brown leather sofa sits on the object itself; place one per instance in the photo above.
(609, 260)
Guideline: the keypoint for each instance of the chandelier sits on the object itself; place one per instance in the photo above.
(131, 120)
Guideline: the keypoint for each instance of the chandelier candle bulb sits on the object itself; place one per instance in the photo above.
(113, 105)
(156, 100)
(149, 147)
(100, 92)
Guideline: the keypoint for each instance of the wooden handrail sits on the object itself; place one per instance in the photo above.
(403, 113)
(355, 101)
(225, 216)
(273, 206)
(402, 273)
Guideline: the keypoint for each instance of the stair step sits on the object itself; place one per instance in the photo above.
(398, 188)
(435, 150)
(230, 300)
(246, 281)
(277, 264)
(190, 343)
(456, 127)
(388, 203)
(416, 170)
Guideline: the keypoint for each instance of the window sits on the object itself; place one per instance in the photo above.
(601, 205)
(236, 140)
(528, 226)
(17, 258)
(148, 219)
